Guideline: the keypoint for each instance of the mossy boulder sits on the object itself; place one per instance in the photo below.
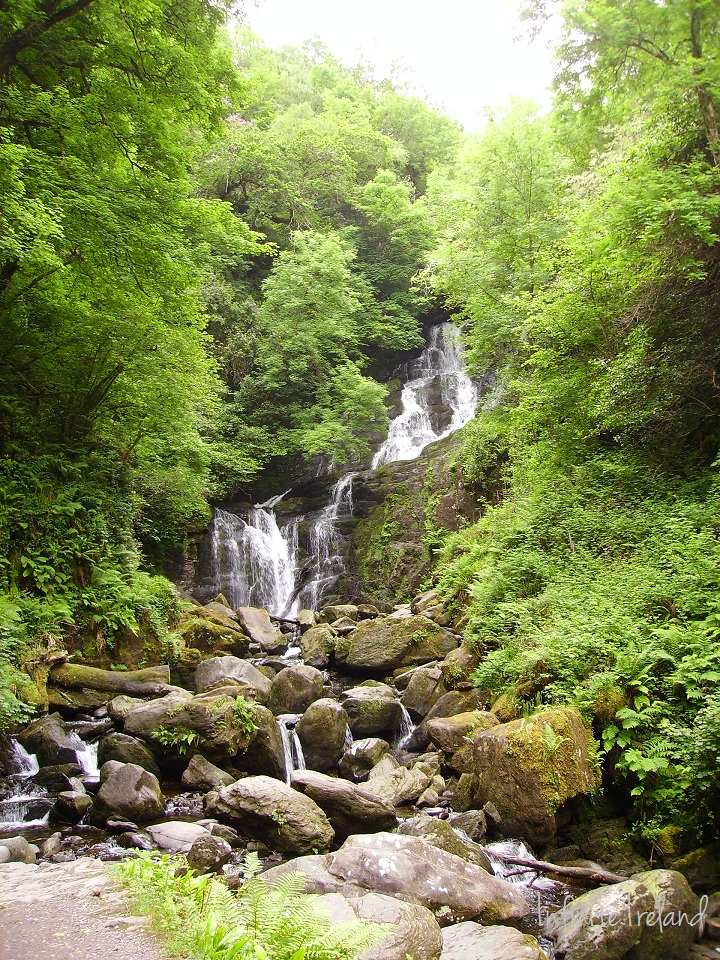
(372, 710)
(212, 633)
(317, 644)
(530, 767)
(322, 730)
(150, 682)
(382, 645)
(127, 792)
(294, 689)
(450, 734)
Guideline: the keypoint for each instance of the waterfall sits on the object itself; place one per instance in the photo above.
(404, 730)
(253, 560)
(26, 764)
(15, 808)
(87, 758)
(437, 383)
(292, 748)
(326, 544)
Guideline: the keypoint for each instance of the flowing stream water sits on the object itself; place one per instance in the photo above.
(257, 561)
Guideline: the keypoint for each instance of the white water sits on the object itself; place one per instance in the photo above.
(26, 763)
(292, 748)
(404, 730)
(88, 760)
(438, 371)
(14, 809)
(326, 553)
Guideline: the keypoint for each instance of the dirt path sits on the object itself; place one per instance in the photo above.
(68, 911)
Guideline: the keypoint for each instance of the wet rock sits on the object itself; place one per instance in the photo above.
(126, 749)
(418, 872)
(372, 710)
(51, 846)
(18, 850)
(176, 836)
(452, 733)
(361, 756)
(338, 612)
(383, 644)
(441, 834)
(71, 806)
(413, 930)
(528, 768)
(265, 753)
(135, 841)
(218, 670)
(471, 822)
(321, 731)
(306, 619)
(701, 867)
(259, 627)
(129, 793)
(50, 741)
(424, 689)
(349, 808)
(651, 916)
(202, 775)
(267, 809)
(471, 941)
(294, 689)
(396, 785)
(56, 777)
(151, 682)
(317, 644)
(212, 633)
(208, 854)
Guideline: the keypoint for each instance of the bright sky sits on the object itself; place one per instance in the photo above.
(461, 54)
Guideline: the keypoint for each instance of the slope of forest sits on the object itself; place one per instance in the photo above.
(208, 248)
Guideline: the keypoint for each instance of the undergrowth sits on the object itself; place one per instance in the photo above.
(201, 919)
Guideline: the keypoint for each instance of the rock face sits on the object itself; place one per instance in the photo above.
(119, 746)
(259, 627)
(372, 710)
(528, 768)
(294, 689)
(651, 916)
(349, 808)
(128, 793)
(266, 808)
(383, 645)
(322, 730)
(415, 871)
(219, 670)
(470, 941)
(413, 932)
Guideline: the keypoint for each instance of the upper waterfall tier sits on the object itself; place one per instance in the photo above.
(437, 400)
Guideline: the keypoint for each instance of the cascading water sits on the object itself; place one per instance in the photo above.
(438, 380)
(25, 764)
(326, 543)
(404, 730)
(292, 748)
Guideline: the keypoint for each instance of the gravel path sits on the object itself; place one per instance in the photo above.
(68, 911)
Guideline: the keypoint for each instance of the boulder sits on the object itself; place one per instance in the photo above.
(459, 665)
(317, 644)
(259, 627)
(651, 916)
(17, 850)
(384, 644)
(151, 682)
(349, 808)
(143, 719)
(412, 929)
(322, 730)
(56, 777)
(176, 836)
(212, 632)
(424, 689)
(528, 768)
(202, 775)
(265, 754)
(208, 854)
(50, 741)
(128, 793)
(452, 733)
(415, 871)
(119, 707)
(267, 809)
(71, 806)
(337, 612)
(361, 756)
(372, 710)
(471, 941)
(430, 605)
(217, 671)
(126, 749)
(294, 689)
(449, 704)
(395, 784)
(306, 619)
(441, 834)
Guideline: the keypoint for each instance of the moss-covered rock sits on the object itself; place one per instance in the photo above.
(452, 733)
(212, 633)
(530, 767)
(382, 645)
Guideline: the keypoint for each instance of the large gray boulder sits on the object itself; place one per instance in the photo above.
(126, 749)
(176, 836)
(412, 929)
(265, 754)
(259, 627)
(294, 689)
(361, 756)
(128, 793)
(50, 741)
(471, 941)
(322, 730)
(317, 644)
(452, 733)
(410, 869)
(424, 689)
(440, 834)
(267, 809)
(217, 671)
(17, 850)
(202, 775)
(385, 644)
(530, 767)
(349, 808)
(449, 704)
(397, 785)
(651, 916)
(212, 633)
(373, 710)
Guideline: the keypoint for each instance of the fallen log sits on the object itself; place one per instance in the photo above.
(594, 876)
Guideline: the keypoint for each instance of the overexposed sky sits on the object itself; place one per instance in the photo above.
(461, 54)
